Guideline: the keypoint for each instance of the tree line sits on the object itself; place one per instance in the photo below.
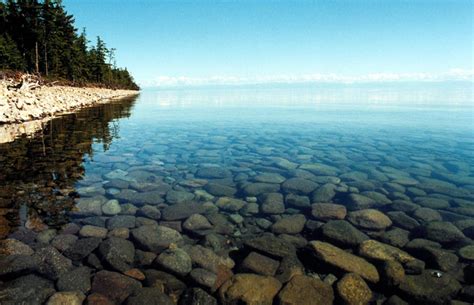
(38, 36)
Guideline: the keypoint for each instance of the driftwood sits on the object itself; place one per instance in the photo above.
(26, 82)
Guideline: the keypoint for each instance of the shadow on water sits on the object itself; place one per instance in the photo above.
(37, 174)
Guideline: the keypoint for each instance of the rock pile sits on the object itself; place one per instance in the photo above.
(26, 104)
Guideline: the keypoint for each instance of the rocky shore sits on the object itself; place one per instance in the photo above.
(27, 103)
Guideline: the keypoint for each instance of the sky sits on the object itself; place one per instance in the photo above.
(260, 41)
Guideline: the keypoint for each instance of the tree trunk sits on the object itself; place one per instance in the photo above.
(37, 58)
(45, 59)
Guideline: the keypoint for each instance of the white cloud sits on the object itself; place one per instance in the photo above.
(181, 81)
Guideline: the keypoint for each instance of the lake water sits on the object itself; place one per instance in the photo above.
(178, 189)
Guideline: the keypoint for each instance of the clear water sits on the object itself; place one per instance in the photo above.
(409, 145)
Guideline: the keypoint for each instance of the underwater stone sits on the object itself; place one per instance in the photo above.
(442, 232)
(175, 260)
(255, 189)
(303, 290)
(293, 224)
(343, 260)
(155, 238)
(260, 264)
(249, 289)
(196, 222)
(427, 289)
(111, 207)
(369, 219)
(343, 233)
(328, 211)
(299, 186)
(353, 290)
(114, 286)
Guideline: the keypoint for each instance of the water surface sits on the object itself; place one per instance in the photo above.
(157, 159)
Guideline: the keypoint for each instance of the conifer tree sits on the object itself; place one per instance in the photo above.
(39, 36)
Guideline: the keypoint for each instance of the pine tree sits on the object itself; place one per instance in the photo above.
(39, 36)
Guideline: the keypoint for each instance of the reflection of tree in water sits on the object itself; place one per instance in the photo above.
(39, 173)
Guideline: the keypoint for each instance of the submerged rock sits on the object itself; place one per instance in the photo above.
(467, 252)
(19, 264)
(249, 289)
(328, 211)
(305, 290)
(175, 260)
(324, 193)
(392, 273)
(155, 238)
(111, 207)
(370, 219)
(428, 289)
(213, 172)
(53, 263)
(115, 286)
(269, 178)
(196, 222)
(63, 241)
(208, 259)
(30, 289)
(297, 201)
(218, 189)
(121, 221)
(272, 246)
(299, 186)
(442, 232)
(118, 253)
(174, 197)
(343, 233)
(402, 220)
(204, 277)
(293, 224)
(66, 297)
(353, 290)
(436, 257)
(427, 215)
(230, 204)
(358, 202)
(164, 281)
(82, 248)
(182, 211)
(290, 266)
(196, 296)
(255, 189)
(272, 203)
(89, 206)
(260, 264)
(93, 231)
(379, 251)
(149, 296)
(12, 246)
(345, 261)
(77, 279)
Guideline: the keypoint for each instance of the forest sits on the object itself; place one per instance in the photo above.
(39, 37)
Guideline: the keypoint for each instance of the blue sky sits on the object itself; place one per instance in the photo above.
(238, 41)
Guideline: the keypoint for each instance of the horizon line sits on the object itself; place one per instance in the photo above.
(453, 75)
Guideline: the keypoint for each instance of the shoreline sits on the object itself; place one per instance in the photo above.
(24, 105)
(25, 111)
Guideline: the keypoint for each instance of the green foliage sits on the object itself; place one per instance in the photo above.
(39, 36)
(10, 57)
